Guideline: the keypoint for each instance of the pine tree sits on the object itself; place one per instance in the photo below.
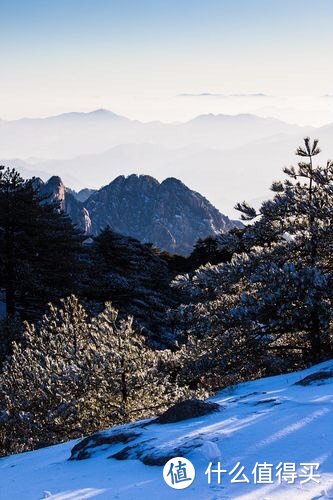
(208, 250)
(72, 375)
(39, 248)
(135, 277)
(278, 291)
(15, 196)
(299, 218)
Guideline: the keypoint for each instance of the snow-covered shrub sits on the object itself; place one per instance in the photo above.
(73, 375)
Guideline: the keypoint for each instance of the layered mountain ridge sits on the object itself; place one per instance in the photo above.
(167, 214)
(71, 134)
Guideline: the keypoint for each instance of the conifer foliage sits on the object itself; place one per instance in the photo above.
(135, 276)
(73, 375)
(275, 295)
(39, 248)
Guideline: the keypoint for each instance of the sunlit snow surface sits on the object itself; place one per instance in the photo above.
(269, 420)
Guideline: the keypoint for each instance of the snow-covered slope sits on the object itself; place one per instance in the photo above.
(270, 420)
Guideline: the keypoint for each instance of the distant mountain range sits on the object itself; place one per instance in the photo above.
(169, 215)
(73, 134)
(226, 158)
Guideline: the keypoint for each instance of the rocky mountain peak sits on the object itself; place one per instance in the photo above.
(167, 214)
(173, 182)
(135, 181)
(54, 190)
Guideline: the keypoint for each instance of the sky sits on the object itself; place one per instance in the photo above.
(167, 59)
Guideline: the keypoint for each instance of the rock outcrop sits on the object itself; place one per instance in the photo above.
(192, 408)
(169, 214)
(55, 190)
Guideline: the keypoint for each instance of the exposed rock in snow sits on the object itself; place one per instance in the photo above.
(85, 448)
(317, 378)
(187, 409)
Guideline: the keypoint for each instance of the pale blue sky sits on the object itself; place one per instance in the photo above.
(136, 56)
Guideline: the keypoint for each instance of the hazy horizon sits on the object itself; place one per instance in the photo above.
(168, 61)
(170, 121)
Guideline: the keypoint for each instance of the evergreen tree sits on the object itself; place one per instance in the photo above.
(278, 292)
(39, 248)
(299, 218)
(73, 375)
(208, 250)
(135, 277)
(15, 196)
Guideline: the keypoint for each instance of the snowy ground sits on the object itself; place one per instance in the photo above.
(270, 420)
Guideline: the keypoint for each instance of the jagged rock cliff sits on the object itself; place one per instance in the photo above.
(55, 190)
(167, 214)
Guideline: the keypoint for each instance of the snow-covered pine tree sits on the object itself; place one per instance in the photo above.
(73, 375)
(218, 349)
(299, 218)
(277, 293)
